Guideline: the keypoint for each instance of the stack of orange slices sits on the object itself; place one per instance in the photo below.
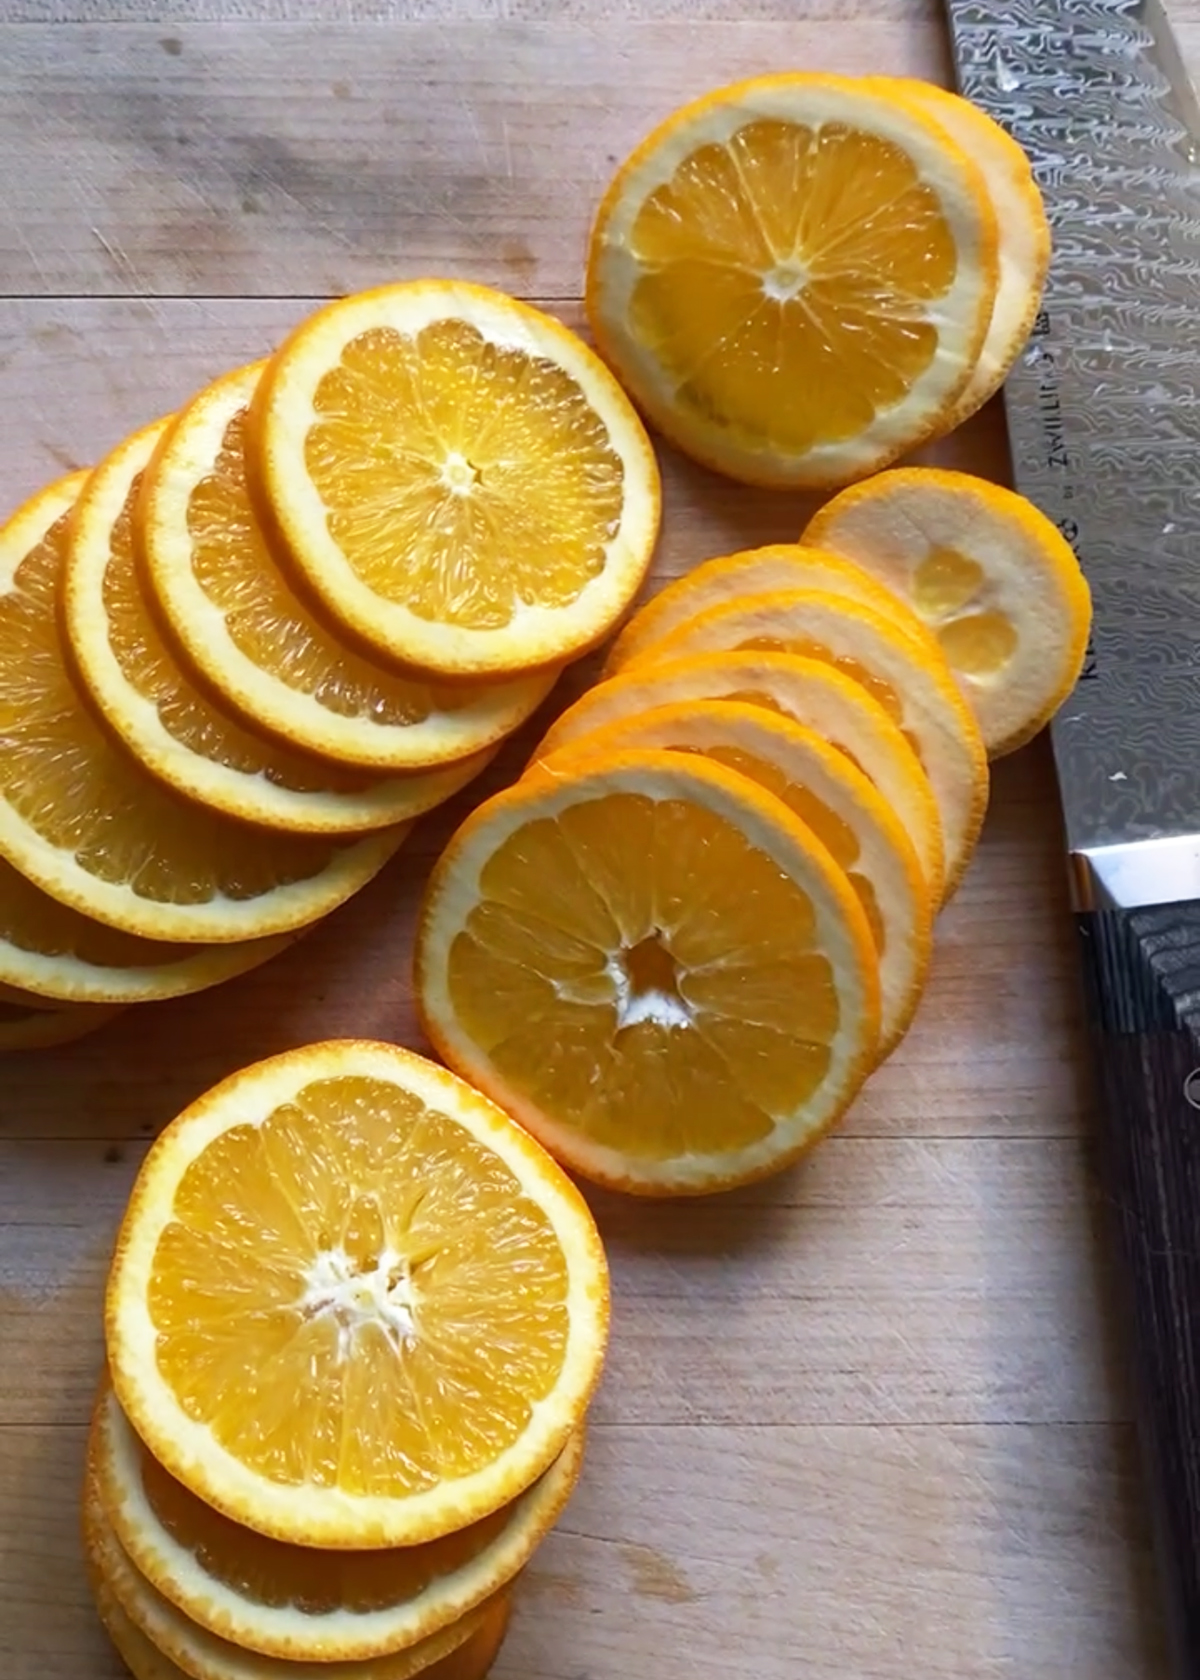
(354, 1321)
(801, 277)
(677, 948)
(242, 655)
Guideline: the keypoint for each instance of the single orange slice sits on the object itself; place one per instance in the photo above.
(806, 690)
(81, 818)
(910, 680)
(61, 956)
(996, 582)
(754, 571)
(352, 1304)
(841, 806)
(461, 480)
(165, 721)
(1024, 233)
(296, 1602)
(31, 1027)
(158, 1642)
(654, 966)
(794, 276)
(237, 617)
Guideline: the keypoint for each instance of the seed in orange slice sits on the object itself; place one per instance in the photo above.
(86, 823)
(910, 680)
(64, 957)
(297, 1602)
(165, 721)
(807, 690)
(353, 1305)
(1024, 234)
(461, 480)
(654, 966)
(239, 620)
(754, 571)
(794, 277)
(158, 1642)
(837, 801)
(33, 1027)
(992, 577)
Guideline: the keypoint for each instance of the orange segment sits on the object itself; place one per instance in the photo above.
(755, 571)
(295, 1602)
(459, 478)
(794, 276)
(241, 624)
(811, 693)
(295, 1306)
(85, 822)
(163, 718)
(994, 580)
(908, 678)
(654, 966)
(819, 785)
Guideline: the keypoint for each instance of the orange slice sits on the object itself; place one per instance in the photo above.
(1024, 234)
(242, 625)
(794, 277)
(755, 571)
(158, 1642)
(806, 690)
(352, 1304)
(841, 806)
(63, 957)
(85, 822)
(996, 582)
(31, 1027)
(299, 1603)
(654, 966)
(461, 480)
(910, 680)
(163, 718)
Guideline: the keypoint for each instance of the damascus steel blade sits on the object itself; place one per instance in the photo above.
(1104, 408)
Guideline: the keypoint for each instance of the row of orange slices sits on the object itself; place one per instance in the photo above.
(679, 945)
(200, 757)
(355, 1318)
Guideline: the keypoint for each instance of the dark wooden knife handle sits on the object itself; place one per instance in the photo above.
(1142, 971)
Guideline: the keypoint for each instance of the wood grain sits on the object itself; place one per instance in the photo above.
(865, 1420)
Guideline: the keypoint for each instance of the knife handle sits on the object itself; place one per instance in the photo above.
(1142, 974)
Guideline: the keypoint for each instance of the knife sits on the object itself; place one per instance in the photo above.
(1104, 421)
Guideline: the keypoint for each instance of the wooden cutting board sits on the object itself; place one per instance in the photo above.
(862, 1421)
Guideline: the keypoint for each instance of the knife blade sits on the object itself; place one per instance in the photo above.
(1103, 414)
